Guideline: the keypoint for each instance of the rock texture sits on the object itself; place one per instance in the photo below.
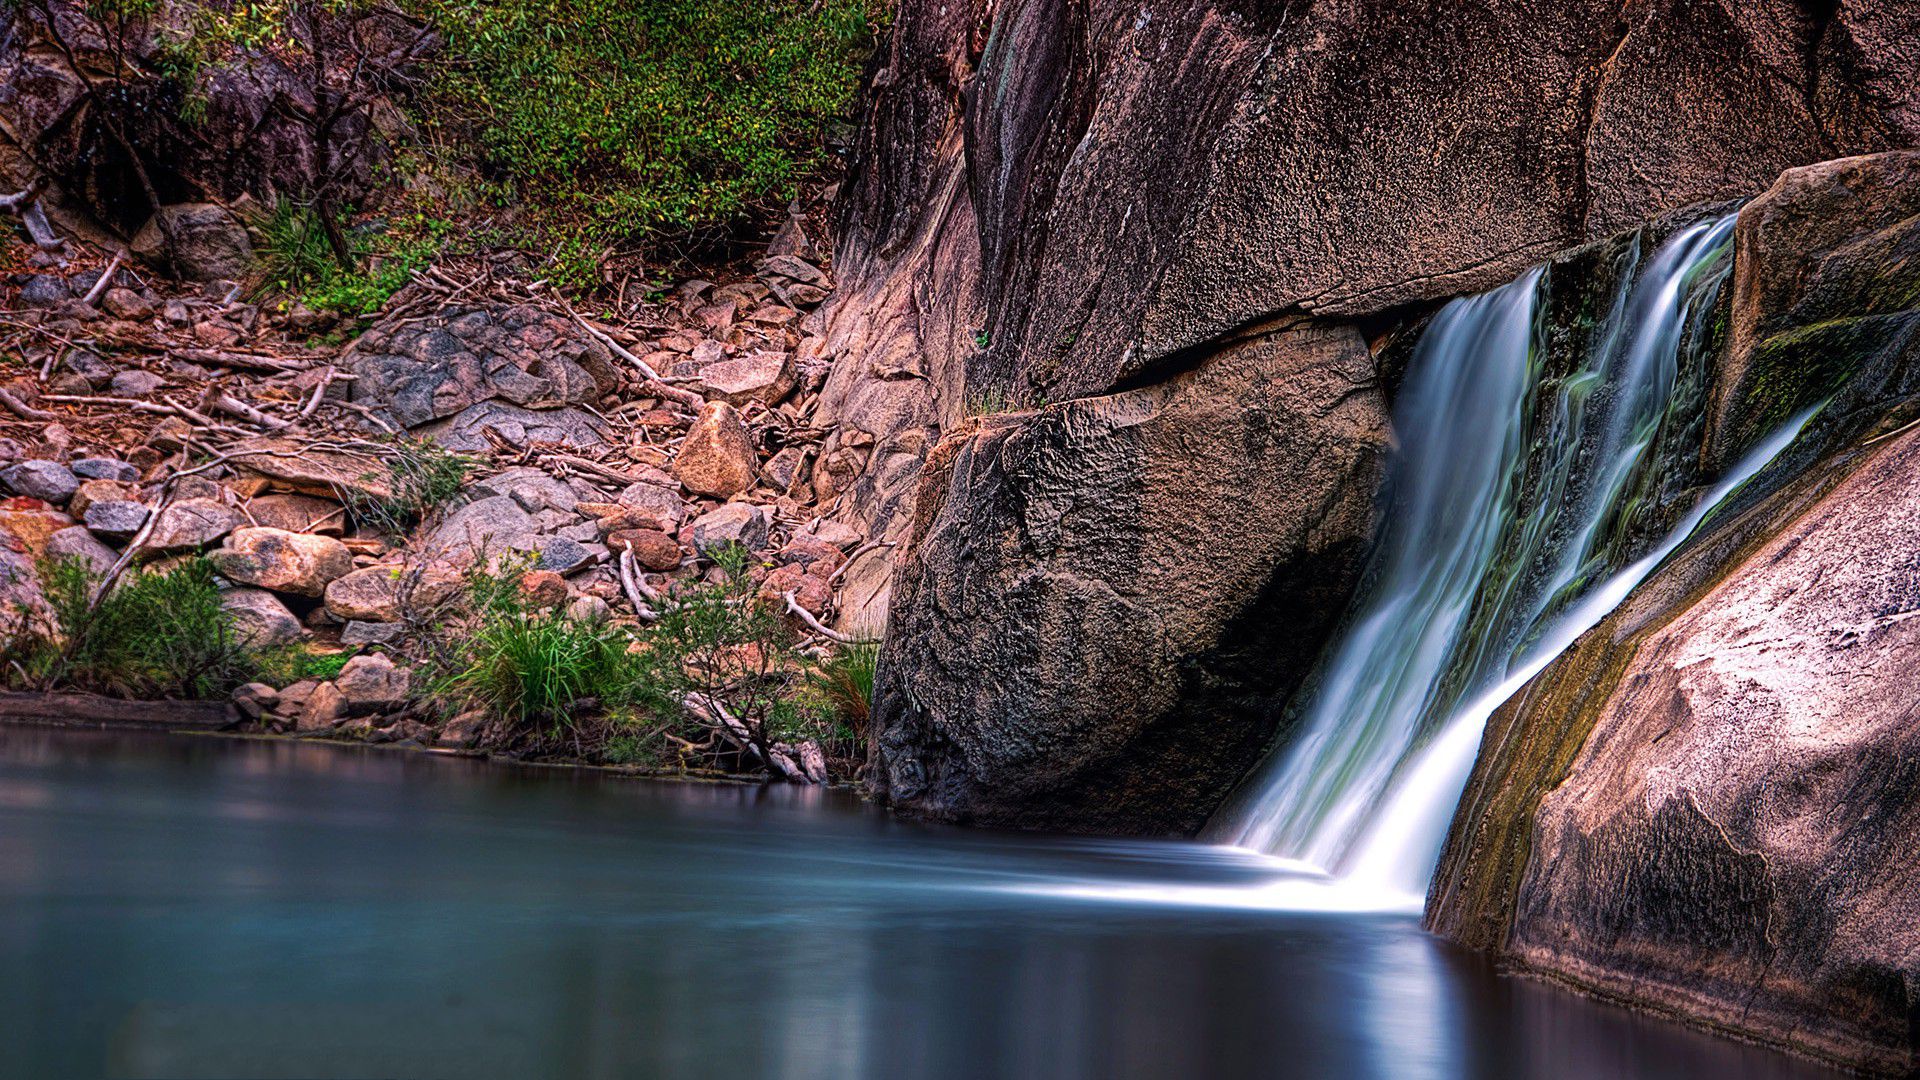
(1729, 835)
(1063, 651)
(1054, 202)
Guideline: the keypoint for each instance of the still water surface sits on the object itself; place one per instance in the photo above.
(202, 907)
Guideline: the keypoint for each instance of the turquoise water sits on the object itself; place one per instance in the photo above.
(204, 907)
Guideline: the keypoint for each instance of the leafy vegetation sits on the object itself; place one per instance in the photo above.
(713, 681)
(421, 476)
(607, 120)
(297, 258)
(534, 668)
(155, 634)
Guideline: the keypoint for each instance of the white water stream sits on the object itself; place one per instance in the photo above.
(1509, 531)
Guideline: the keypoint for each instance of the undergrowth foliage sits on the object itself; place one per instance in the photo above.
(608, 120)
(155, 634)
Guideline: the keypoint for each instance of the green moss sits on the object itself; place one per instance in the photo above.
(1792, 370)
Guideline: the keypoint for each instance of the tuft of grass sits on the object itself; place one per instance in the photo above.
(534, 668)
(297, 260)
(844, 682)
(422, 476)
(155, 634)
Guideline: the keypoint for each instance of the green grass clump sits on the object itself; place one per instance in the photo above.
(296, 259)
(844, 682)
(607, 120)
(296, 663)
(533, 668)
(155, 634)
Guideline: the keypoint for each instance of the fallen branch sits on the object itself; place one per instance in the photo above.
(21, 409)
(815, 624)
(100, 287)
(652, 378)
(26, 206)
(630, 585)
(233, 406)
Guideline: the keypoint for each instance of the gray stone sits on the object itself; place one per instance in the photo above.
(563, 556)
(135, 384)
(490, 525)
(78, 543)
(761, 375)
(255, 700)
(186, 525)
(209, 242)
(105, 469)
(517, 369)
(533, 489)
(373, 684)
(117, 519)
(371, 633)
(660, 502)
(260, 619)
(391, 593)
(46, 480)
(588, 609)
(735, 523)
(300, 564)
(90, 367)
(44, 290)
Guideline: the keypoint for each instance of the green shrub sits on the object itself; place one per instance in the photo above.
(296, 259)
(154, 634)
(844, 682)
(534, 668)
(421, 476)
(610, 120)
(294, 663)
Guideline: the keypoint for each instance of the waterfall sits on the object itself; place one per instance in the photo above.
(1524, 500)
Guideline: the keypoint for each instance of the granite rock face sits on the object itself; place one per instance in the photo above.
(1726, 831)
(1063, 652)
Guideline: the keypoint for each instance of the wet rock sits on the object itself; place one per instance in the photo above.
(208, 242)
(105, 469)
(299, 564)
(735, 523)
(717, 458)
(49, 481)
(118, 520)
(260, 619)
(386, 594)
(184, 525)
(372, 684)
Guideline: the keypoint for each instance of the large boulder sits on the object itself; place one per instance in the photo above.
(299, 564)
(1103, 605)
(518, 368)
(1825, 300)
(1053, 200)
(202, 241)
(1707, 806)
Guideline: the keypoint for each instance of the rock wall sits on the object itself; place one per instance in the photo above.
(1061, 201)
(1702, 807)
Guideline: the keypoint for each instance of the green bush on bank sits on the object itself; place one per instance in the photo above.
(155, 634)
(609, 120)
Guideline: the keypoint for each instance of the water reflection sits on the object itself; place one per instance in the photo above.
(196, 907)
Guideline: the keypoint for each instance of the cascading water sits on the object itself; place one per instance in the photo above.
(1516, 517)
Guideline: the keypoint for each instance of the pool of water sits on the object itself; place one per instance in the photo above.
(206, 907)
